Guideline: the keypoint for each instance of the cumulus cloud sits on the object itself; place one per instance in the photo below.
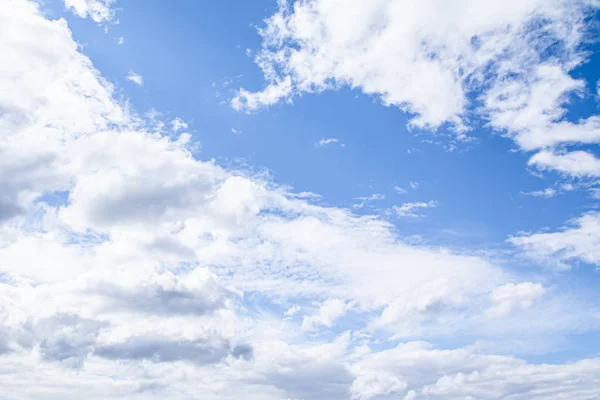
(178, 124)
(162, 275)
(250, 101)
(579, 242)
(465, 374)
(97, 10)
(292, 311)
(369, 385)
(327, 313)
(516, 58)
(508, 297)
(574, 163)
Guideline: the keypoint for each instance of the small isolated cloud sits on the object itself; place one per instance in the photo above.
(548, 192)
(410, 209)
(326, 141)
(121, 40)
(364, 200)
(178, 124)
(512, 296)
(413, 184)
(236, 131)
(135, 78)
(372, 197)
(551, 191)
(400, 190)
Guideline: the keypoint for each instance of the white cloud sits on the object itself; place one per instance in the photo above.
(582, 241)
(371, 197)
(326, 315)
(365, 200)
(575, 163)
(326, 141)
(135, 78)
(429, 61)
(121, 40)
(97, 10)
(178, 124)
(552, 191)
(159, 275)
(468, 375)
(248, 101)
(369, 385)
(400, 190)
(411, 209)
(292, 311)
(235, 131)
(413, 184)
(511, 296)
(548, 192)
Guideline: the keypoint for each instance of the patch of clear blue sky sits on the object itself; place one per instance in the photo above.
(193, 56)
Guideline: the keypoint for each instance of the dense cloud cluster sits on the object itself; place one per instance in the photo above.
(129, 268)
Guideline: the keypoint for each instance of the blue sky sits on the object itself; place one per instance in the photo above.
(292, 190)
(177, 54)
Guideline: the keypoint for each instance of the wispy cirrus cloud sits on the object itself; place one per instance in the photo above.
(412, 209)
(326, 141)
(135, 78)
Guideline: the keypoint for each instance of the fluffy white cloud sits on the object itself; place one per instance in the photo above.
(98, 10)
(429, 58)
(160, 275)
(178, 124)
(464, 374)
(249, 101)
(574, 163)
(326, 315)
(369, 385)
(580, 242)
(510, 296)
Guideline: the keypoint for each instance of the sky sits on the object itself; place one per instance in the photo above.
(294, 200)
